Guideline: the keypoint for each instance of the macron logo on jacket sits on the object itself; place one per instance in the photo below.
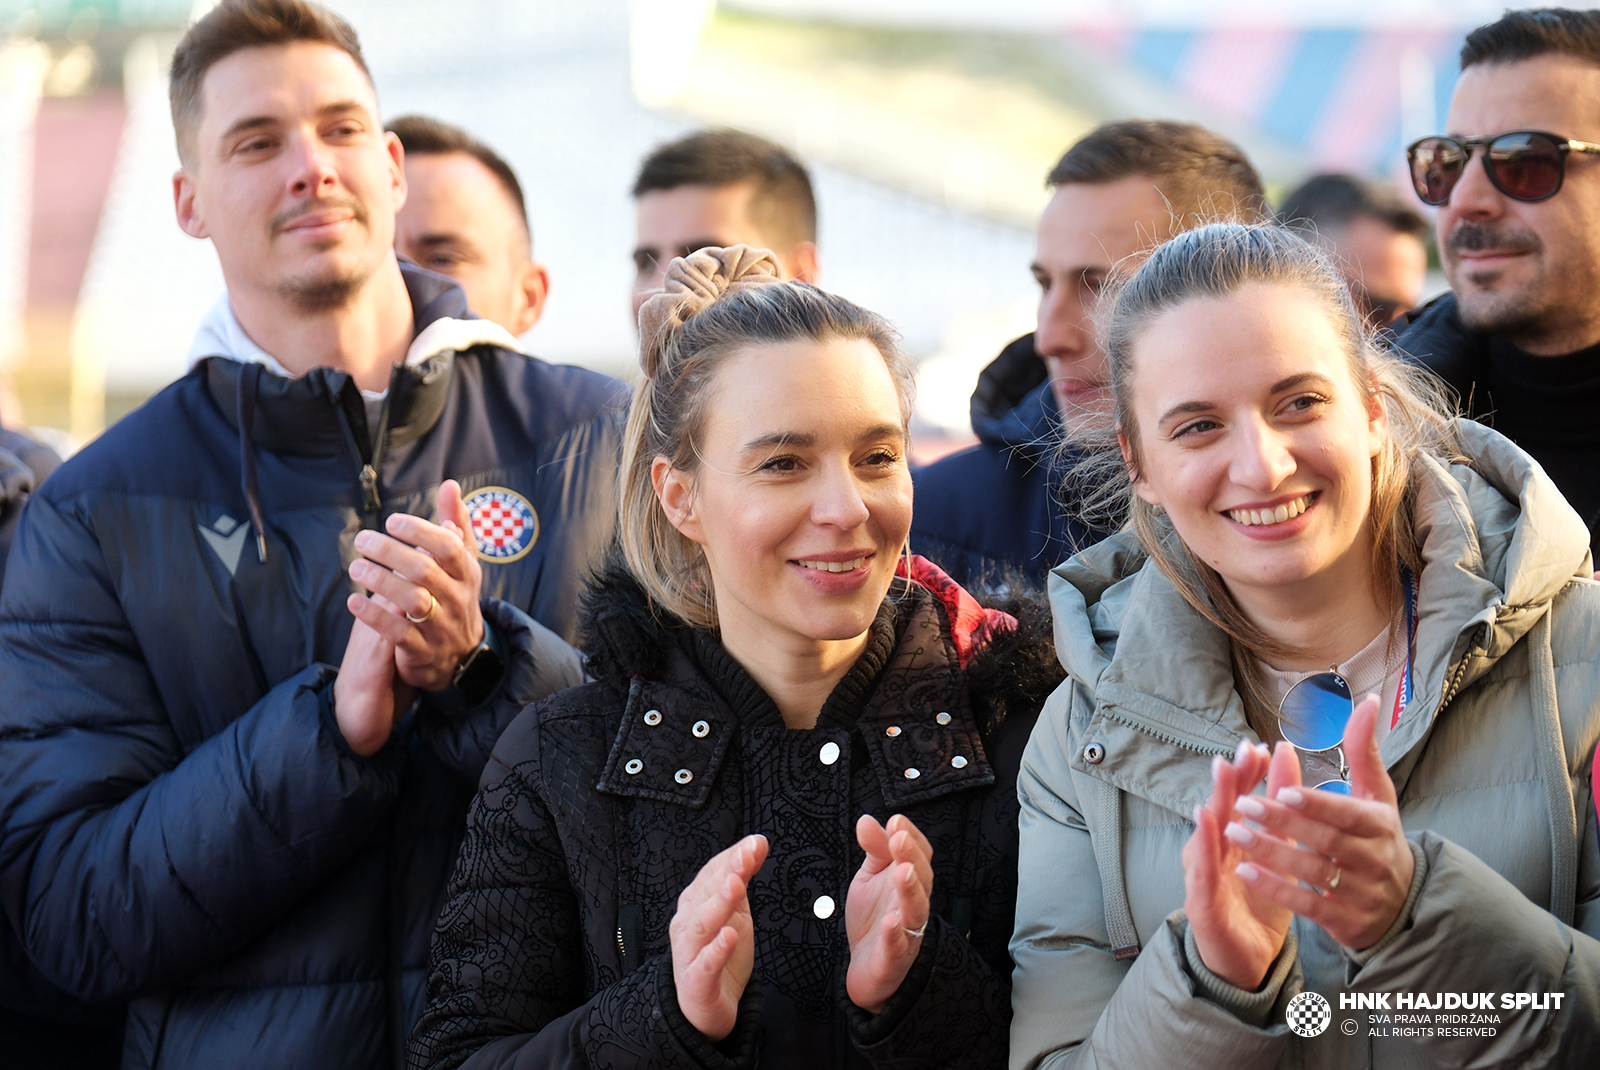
(172, 766)
(226, 537)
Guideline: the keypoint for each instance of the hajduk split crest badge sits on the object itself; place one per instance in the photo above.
(1308, 1014)
(503, 523)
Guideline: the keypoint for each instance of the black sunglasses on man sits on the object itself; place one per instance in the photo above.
(1525, 165)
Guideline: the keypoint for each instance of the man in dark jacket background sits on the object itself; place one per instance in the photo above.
(465, 216)
(199, 814)
(721, 187)
(74, 1037)
(1519, 337)
(1378, 241)
(993, 511)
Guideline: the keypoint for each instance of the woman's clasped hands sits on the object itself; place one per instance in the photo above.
(1340, 861)
(886, 912)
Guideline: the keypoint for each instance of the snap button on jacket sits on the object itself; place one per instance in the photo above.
(553, 947)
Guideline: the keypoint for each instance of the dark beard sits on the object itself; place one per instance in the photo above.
(1513, 314)
(312, 296)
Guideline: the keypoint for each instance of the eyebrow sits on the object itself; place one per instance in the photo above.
(684, 249)
(1189, 407)
(779, 439)
(341, 107)
(1079, 270)
(256, 122)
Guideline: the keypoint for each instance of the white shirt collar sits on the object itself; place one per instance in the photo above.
(220, 335)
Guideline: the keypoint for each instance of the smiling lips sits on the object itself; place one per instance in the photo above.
(316, 215)
(320, 220)
(834, 566)
(1278, 515)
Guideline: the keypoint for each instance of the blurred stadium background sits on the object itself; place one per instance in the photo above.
(930, 125)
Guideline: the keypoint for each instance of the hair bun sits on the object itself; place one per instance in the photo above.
(694, 282)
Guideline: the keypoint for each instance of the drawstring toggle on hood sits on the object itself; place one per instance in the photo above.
(249, 386)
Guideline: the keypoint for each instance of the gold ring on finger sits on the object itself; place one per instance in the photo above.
(433, 605)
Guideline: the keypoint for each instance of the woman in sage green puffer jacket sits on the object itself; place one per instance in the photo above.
(1102, 841)
(1491, 762)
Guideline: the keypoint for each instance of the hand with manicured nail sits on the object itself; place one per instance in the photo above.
(1238, 931)
(890, 895)
(713, 938)
(1351, 850)
(426, 570)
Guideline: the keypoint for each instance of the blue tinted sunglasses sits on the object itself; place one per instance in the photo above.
(1313, 716)
(1315, 712)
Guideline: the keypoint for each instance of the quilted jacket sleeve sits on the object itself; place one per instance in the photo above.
(1075, 1005)
(538, 663)
(509, 976)
(1475, 931)
(127, 861)
(953, 1009)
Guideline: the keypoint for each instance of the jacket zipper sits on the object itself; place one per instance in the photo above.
(367, 454)
(369, 488)
(630, 935)
(1453, 684)
(1165, 737)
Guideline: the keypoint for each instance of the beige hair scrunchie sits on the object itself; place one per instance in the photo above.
(693, 283)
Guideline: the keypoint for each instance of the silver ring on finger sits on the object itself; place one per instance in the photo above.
(433, 605)
(1328, 886)
(915, 934)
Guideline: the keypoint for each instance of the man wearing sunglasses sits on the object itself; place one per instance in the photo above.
(1517, 184)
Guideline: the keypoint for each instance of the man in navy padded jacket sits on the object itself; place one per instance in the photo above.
(999, 513)
(257, 640)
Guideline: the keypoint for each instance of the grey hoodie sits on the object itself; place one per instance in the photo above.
(1491, 759)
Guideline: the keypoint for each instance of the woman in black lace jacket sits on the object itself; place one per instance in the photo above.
(780, 825)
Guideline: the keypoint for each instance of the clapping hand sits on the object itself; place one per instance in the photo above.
(425, 582)
(367, 694)
(1238, 929)
(713, 938)
(1351, 850)
(887, 909)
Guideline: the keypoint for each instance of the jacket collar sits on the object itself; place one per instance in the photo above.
(1498, 543)
(1013, 406)
(677, 725)
(301, 416)
(1435, 336)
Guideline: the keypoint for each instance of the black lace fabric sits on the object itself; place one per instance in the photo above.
(587, 837)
